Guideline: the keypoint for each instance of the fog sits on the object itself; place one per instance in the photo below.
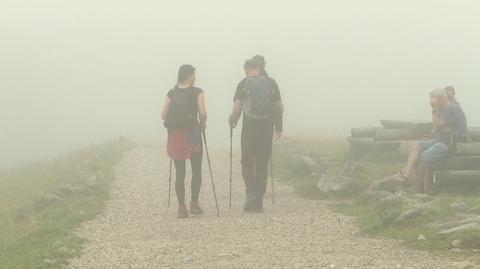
(74, 73)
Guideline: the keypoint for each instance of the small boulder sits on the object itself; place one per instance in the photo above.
(64, 251)
(475, 210)
(422, 237)
(48, 262)
(58, 244)
(92, 181)
(66, 190)
(337, 184)
(309, 162)
(392, 201)
(389, 184)
(461, 206)
(457, 243)
(396, 200)
(409, 214)
(92, 184)
(380, 195)
(52, 198)
(474, 226)
(352, 170)
(305, 165)
(77, 189)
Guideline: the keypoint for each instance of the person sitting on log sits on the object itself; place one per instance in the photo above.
(451, 94)
(461, 134)
(449, 122)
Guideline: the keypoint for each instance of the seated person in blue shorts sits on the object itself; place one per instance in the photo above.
(449, 123)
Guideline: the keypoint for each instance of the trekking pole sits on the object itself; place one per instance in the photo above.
(231, 164)
(272, 178)
(170, 182)
(211, 173)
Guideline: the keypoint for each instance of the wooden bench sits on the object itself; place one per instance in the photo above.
(461, 168)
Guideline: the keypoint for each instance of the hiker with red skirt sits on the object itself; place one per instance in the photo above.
(185, 116)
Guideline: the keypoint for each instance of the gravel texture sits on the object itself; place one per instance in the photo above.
(137, 230)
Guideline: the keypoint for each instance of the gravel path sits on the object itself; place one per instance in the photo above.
(138, 231)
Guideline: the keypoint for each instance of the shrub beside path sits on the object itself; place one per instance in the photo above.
(136, 229)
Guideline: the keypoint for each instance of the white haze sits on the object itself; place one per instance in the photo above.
(74, 73)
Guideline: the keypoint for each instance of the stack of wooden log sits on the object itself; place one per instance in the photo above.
(389, 136)
(463, 164)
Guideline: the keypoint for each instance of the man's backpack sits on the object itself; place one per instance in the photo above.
(257, 104)
(181, 113)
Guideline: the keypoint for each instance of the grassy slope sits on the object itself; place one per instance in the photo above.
(29, 226)
(371, 220)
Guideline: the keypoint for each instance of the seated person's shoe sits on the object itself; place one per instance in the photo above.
(182, 212)
(195, 208)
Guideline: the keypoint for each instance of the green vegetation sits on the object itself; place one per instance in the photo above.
(42, 204)
(286, 155)
(379, 218)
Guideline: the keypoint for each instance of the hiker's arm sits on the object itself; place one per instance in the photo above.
(236, 113)
(237, 105)
(166, 107)
(435, 118)
(438, 122)
(278, 121)
(278, 110)
(237, 109)
(202, 110)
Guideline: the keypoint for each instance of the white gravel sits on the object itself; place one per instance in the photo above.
(137, 230)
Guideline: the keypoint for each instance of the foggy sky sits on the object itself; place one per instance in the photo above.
(79, 72)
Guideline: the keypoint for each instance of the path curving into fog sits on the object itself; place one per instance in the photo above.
(137, 231)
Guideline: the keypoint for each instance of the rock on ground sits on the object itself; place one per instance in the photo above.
(138, 231)
(328, 184)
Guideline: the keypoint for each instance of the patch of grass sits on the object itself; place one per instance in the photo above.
(373, 219)
(286, 155)
(37, 218)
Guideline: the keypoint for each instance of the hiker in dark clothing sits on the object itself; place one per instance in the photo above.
(259, 98)
(261, 61)
(185, 115)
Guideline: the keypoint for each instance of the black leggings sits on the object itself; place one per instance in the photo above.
(180, 168)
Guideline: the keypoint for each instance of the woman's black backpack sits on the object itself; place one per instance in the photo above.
(182, 110)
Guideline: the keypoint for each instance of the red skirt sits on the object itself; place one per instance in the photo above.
(179, 146)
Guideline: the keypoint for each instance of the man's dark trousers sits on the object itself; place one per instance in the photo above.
(256, 145)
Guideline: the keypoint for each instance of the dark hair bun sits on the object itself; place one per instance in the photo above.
(184, 72)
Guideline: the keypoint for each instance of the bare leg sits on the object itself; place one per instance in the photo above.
(412, 160)
(427, 180)
(418, 184)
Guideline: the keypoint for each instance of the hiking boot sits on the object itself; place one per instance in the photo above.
(249, 204)
(195, 208)
(258, 205)
(182, 212)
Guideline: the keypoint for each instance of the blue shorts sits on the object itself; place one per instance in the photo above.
(432, 152)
